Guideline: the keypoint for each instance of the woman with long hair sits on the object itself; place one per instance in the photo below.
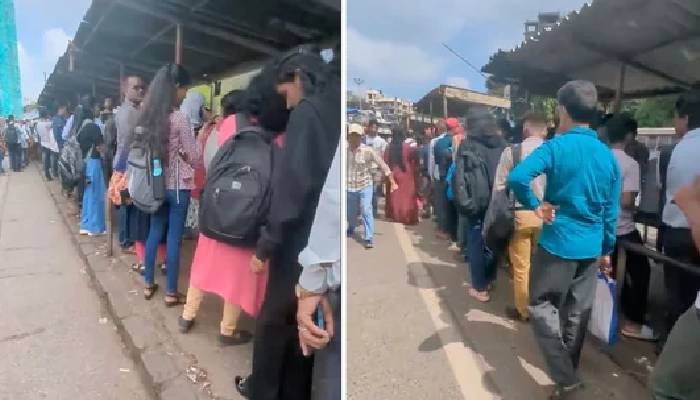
(172, 136)
(402, 158)
(218, 267)
(92, 213)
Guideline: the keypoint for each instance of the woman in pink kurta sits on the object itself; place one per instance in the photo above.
(224, 269)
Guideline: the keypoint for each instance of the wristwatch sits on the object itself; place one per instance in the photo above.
(302, 293)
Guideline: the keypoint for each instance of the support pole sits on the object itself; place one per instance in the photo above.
(620, 89)
(121, 83)
(444, 105)
(178, 43)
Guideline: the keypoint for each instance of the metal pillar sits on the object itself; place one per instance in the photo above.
(444, 105)
(178, 43)
(620, 89)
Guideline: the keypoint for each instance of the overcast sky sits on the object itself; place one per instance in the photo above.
(43, 30)
(396, 45)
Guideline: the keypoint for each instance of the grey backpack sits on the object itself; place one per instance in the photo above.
(146, 174)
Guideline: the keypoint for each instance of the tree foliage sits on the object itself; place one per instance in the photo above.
(656, 112)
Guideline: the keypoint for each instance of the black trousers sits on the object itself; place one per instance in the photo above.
(15, 150)
(280, 370)
(681, 287)
(635, 288)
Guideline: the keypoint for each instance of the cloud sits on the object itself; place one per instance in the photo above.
(55, 42)
(31, 86)
(458, 81)
(388, 60)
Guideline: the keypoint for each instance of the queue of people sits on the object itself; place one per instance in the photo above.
(581, 182)
(286, 272)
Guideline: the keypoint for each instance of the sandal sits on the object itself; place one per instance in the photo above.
(179, 299)
(238, 338)
(150, 291)
(480, 296)
(242, 385)
(136, 267)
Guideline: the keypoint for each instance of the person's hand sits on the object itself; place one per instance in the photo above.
(393, 186)
(312, 337)
(546, 212)
(688, 194)
(606, 266)
(256, 265)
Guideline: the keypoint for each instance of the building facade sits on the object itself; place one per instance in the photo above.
(10, 92)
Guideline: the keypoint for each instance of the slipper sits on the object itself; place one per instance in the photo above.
(480, 296)
(646, 334)
(180, 300)
(150, 291)
(238, 338)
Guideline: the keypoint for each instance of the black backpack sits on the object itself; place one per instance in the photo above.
(11, 134)
(236, 196)
(471, 181)
(499, 221)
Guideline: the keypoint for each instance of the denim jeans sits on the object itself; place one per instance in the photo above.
(15, 151)
(2, 159)
(361, 202)
(48, 162)
(171, 214)
(124, 241)
(482, 263)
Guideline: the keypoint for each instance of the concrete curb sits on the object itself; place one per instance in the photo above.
(167, 372)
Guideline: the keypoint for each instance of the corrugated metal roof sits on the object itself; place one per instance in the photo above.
(658, 40)
(218, 35)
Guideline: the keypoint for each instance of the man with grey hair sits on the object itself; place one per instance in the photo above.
(579, 209)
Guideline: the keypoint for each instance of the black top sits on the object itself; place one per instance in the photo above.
(311, 138)
(90, 136)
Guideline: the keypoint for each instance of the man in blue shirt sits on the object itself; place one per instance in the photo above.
(580, 208)
(57, 124)
(442, 153)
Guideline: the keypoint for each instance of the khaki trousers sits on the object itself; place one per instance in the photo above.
(230, 314)
(520, 250)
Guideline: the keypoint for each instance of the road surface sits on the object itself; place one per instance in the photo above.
(55, 341)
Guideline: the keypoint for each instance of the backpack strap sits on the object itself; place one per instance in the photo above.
(516, 152)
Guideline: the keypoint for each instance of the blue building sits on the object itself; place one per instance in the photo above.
(10, 92)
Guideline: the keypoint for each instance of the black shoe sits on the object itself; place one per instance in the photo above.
(513, 313)
(184, 325)
(238, 338)
(564, 392)
(369, 244)
(242, 385)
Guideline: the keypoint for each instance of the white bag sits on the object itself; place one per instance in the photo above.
(604, 319)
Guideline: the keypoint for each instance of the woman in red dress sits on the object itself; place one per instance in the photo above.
(402, 158)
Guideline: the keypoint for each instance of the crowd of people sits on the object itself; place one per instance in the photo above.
(567, 196)
(18, 143)
(161, 156)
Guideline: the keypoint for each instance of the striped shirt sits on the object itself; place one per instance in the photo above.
(359, 168)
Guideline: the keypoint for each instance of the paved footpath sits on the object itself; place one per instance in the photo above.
(413, 333)
(56, 341)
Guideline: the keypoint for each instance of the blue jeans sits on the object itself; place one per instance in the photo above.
(171, 214)
(482, 262)
(361, 202)
(124, 241)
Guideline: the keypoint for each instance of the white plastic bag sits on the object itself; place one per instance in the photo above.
(604, 319)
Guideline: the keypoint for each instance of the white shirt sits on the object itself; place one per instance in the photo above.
(432, 166)
(629, 170)
(378, 144)
(321, 257)
(66, 128)
(682, 170)
(46, 137)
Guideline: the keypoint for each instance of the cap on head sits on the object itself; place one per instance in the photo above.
(355, 129)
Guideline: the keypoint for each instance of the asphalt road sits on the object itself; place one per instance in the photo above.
(55, 342)
(413, 333)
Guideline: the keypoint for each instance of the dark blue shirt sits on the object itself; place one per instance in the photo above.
(443, 154)
(57, 124)
(583, 181)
